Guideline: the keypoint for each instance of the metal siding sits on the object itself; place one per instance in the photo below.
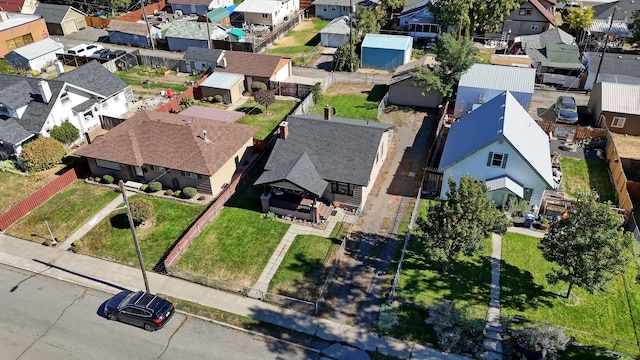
(621, 98)
(394, 42)
(405, 93)
(128, 39)
(514, 79)
(382, 59)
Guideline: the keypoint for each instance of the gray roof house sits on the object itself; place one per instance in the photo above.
(336, 32)
(331, 9)
(317, 161)
(616, 68)
(79, 97)
(501, 145)
(182, 34)
(199, 59)
(404, 91)
(35, 56)
(61, 19)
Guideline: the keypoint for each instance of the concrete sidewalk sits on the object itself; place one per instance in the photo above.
(112, 277)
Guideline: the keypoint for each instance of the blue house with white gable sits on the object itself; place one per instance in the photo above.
(418, 21)
(502, 146)
(385, 52)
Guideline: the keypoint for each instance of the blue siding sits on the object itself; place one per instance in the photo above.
(179, 44)
(117, 37)
(382, 59)
(190, 9)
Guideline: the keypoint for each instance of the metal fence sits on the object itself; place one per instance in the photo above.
(382, 115)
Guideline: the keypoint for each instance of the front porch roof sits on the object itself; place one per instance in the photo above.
(300, 172)
(505, 182)
(85, 105)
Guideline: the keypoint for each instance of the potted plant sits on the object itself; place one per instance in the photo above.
(544, 224)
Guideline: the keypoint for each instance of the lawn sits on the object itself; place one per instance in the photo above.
(586, 175)
(65, 212)
(304, 268)
(111, 238)
(256, 116)
(301, 40)
(353, 106)
(147, 82)
(608, 315)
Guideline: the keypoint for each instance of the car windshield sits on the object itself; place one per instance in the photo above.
(567, 104)
(126, 300)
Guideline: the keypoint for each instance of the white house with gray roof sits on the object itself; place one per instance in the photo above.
(318, 161)
(35, 56)
(331, 9)
(502, 146)
(336, 32)
(267, 12)
(31, 107)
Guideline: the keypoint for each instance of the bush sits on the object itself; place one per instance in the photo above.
(97, 179)
(66, 133)
(178, 193)
(144, 187)
(189, 192)
(258, 85)
(154, 186)
(7, 165)
(186, 102)
(457, 332)
(547, 339)
(141, 209)
(76, 246)
(316, 92)
(210, 99)
(108, 179)
(169, 192)
(42, 153)
(218, 98)
(264, 98)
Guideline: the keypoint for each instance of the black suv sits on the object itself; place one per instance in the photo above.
(139, 308)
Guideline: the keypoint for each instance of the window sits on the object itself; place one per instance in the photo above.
(341, 188)
(108, 164)
(159, 168)
(497, 160)
(618, 122)
(64, 97)
(265, 16)
(524, 12)
(19, 41)
(535, 27)
(527, 194)
(190, 175)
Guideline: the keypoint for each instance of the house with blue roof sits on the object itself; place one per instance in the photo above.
(502, 146)
(385, 52)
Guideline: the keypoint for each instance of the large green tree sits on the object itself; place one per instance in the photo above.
(635, 26)
(455, 57)
(368, 20)
(589, 248)
(469, 15)
(458, 224)
(6, 68)
(579, 18)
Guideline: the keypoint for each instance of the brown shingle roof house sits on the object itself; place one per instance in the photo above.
(256, 67)
(176, 150)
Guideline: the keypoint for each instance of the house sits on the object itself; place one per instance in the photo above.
(36, 56)
(418, 21)
(212, 114)
(532, 17)
(404, 91)
(616, 68)
(17, 30)
(385, 52)
(336, 33)
(267, 12)
(176, 150)
(182, 34)
(317, 161)
(511, 60)
(30, 107)
(540, 41)
(482, 82)
(617, 106)
(228, 85)
(132, 33)
(198, 7)
(219, 16)
(201, 59)
(502, 146)
(332, 9)
(558, 64)
(18, 6)
(61, 19)
(256, 67)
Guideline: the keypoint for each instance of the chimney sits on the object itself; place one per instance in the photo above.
(4, 16)
(224, 63)
(45, 91)
(59, 66)
(204, 135)
(284, 129)
(327, 112)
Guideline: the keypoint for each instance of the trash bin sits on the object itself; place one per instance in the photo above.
(528, 220)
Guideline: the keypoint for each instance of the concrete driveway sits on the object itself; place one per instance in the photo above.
(544, 98)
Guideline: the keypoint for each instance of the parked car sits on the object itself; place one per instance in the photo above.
(101, 54)
(566, 110)
(115, 54)
(142, 309)
(84, 49)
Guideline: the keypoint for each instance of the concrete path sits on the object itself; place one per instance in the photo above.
(525, 231)
(493, 328)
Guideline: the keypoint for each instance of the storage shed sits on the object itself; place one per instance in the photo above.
(35, 56)
(482, 82)
(228, 85)
(335, 33)
(385, 52)
(61, 19)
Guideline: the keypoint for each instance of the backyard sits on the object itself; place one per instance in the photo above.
(585, 175)
(255, 115)
(147, 82)
(299, 42)
(352, 101)
(65, 212)
(111, 238)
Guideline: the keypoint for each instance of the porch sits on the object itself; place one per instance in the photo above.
(294, 207)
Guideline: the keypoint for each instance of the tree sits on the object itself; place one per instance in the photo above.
(65, 133)
(589, 247)
(141, 209)
(635, 26)
(344, 56)
(369, 20)
(6, 68)
(42, 153)
(459, 224)
(547, 339)
(455, 57)
(452, 13)
(469, 15)
(264, 98)
(488, 15)
(579, 18)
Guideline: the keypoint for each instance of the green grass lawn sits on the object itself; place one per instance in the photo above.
(16, 187)
(65, 212)
(303, 40)
(111, 238)
(140, 73)
(255, 115)
(304, 268)
(586, 175)
(609, 315)
(353, 106)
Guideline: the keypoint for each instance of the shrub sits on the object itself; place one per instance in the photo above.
(189, 192)
(144, 187)
(178, 193)
(457, 332)
(169, 192)
(264, 98)
(546, 338)
(388, 318)
(210, 99)
(76, 246)
(154, 186)
(42, 153)
(97, 179)
(218, 98)
(258, 85)
(7, 165)
(108, 179)
(270, 216)
(141, 209)
(186, 102)
(316, 91)
(66, 133)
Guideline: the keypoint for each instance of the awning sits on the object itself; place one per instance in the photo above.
(505, 183)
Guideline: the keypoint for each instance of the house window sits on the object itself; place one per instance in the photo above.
(618, 122)
(497, 160)
(527, 194)
(341, 188)
(108, 164)
(265, 16)
(190, 175)
(524, 12)
(64, 97)
(535, 27)
(19, 41)
(159, 168)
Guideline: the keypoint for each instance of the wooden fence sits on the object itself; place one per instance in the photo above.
(135, 16)
(193, 91)
(618, 177)
(579, 132)
(97, 22)
(43, 194)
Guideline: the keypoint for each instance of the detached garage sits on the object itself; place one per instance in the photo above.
(335, 33)
(61, 19)
(385, 52)
(228, 85)
(35, 56)
(404, 91)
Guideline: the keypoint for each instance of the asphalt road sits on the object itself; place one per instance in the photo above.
(44, 318)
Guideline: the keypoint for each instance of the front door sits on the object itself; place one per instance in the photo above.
(139, 172)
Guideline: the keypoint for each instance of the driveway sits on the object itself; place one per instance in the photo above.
(544, 97)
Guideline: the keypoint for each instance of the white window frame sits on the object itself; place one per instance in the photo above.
(107, 164)
(190, 175)
(535, 27)
(497, 160)
(159, 168)
(618, 121)
(64, 97)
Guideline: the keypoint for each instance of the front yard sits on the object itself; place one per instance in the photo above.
(255, 115)
(585, 175)
(350, 105)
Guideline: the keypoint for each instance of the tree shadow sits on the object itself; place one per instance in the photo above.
(119, 221)
(518, 290)
(250, 110)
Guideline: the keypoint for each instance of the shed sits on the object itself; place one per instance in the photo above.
(336, 32)
(219, 16)
(385, 52)
(61, 19)
(404, 91)
(482, 82)
(202, 59)
(617, 106)
(228, 85)
(35, 56)
(182, 34)
(130, 33)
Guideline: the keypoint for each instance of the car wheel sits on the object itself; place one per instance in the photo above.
(148, 327)
(112, 316)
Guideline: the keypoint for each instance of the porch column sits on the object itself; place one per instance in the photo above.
(265, 200)
(315, 214)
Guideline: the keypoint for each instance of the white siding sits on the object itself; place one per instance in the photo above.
(383, 149)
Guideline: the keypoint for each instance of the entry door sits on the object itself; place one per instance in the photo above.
(138, 171)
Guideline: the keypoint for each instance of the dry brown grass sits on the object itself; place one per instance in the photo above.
(628, 146)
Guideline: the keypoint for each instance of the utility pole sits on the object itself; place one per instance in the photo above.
(146, 20)
(206, 19)
(351, 35)
(135, 238)
(606, 42)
